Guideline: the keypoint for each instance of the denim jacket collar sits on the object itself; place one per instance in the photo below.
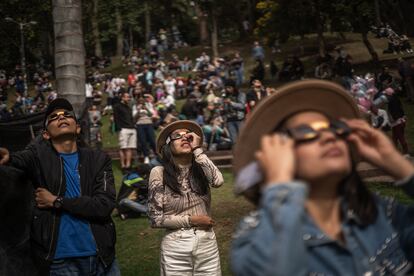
(314, 236)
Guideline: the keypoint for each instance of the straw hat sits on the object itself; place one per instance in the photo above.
(180, 124)
(307, 95)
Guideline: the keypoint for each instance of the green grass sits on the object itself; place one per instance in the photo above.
(110, 139)
(385, 189)
(138, 245)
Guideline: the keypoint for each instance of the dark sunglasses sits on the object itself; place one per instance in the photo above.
(307, 133)
(55, 116)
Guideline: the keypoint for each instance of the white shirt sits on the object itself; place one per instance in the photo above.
(168, 101)
(170, 86)
(88, 90)
(381, 113)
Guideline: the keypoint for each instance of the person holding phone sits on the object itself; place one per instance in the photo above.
(315, 216)
(179, 201)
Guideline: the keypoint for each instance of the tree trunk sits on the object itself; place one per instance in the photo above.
(377, 13)
(131, 39)
(169, 15)
(396, 16)
(401, 15)
(202, 25)
(95, 28)
(147, 22)
(342, 36)
(321, 42)
(243, 35)
(69, 52)
(251, 7)
(45, 42)
(214, 34)
(370, 48)
(119, 33)
(320, 22)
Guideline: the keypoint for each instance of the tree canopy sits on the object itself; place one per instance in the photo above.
(111, 25)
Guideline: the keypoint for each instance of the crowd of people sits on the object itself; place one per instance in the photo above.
(397, 44)
(40, 77)
(146, 98)
(213, 90)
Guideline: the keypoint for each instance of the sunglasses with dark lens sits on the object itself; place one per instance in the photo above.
(177, 136)
(55, 116)
(305, 133)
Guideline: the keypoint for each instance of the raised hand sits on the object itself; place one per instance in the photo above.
(194, 139)
(4, 156)
(277, 158)
(376, 148)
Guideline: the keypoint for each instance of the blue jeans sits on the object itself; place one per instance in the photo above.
(133, 205)
(234, 129)
(239, 76)
(83, 266)
(146, 138)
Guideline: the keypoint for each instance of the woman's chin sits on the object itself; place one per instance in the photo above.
(334, 172)
(184, 151)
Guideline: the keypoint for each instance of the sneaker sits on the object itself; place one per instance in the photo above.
(123, 217)
(146, 160)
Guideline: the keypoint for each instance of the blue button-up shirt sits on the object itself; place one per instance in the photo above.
(280, 238)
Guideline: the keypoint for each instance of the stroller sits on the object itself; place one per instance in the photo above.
(132, 200)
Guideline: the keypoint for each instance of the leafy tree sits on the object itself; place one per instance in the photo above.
(284, 18)
(38, 38)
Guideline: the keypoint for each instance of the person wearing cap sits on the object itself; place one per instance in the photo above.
(315, 216)
(71, 229)
(179, 200)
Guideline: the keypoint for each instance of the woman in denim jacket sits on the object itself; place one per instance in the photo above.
(314, 214)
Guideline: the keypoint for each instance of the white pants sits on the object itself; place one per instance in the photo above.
(190, 252)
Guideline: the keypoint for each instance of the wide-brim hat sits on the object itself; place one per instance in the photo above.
(180, 124)
(307, 95)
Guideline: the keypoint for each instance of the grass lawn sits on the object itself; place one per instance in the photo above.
(138, 245)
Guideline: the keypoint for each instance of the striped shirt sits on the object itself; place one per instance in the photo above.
(171, 210)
